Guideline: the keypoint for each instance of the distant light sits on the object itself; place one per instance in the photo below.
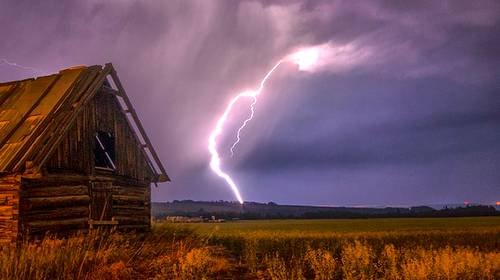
(466, 202)
(497, 203)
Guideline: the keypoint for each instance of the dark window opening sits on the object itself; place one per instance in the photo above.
(104, 150)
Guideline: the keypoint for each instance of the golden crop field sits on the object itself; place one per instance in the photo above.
(434, 248)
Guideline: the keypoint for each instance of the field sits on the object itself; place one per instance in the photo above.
(346, 225)
(434, 248)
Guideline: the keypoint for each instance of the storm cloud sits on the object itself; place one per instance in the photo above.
(404, 111)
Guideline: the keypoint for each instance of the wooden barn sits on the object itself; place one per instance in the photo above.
(73, 155)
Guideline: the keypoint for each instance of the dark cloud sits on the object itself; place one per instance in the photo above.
(394, 144)
(420, 112)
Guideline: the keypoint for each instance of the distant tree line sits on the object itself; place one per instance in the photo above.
(253, 210)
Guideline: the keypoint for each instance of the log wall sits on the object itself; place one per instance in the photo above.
(56, 206)
(9, 209)
(64, 204)
(131, 206)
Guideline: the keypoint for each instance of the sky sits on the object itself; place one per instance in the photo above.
(403, 107)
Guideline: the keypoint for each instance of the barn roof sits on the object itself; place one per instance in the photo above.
(36, 113)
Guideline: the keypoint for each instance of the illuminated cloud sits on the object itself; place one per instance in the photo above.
(398, 103)
(331, 57)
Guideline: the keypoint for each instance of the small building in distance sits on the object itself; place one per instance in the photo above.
(183, 219)
(73, 155)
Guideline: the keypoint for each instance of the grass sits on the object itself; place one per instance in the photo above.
(440, 248)
(347, 225)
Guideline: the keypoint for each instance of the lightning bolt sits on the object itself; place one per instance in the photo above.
(252, 106)
(252, 112)
(212, 140)
(13, 64)
(305, 59)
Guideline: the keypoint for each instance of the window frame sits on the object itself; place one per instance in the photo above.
(107, 153)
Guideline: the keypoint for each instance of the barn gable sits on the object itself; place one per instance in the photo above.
(37, 115)
(101, 123)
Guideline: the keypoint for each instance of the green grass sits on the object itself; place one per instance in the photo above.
(292, 237)
(394, 225)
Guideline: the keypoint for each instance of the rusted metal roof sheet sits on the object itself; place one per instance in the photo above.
(27, 108)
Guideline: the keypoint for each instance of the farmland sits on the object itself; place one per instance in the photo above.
(433, 248)
(346, 225)
(295, 248)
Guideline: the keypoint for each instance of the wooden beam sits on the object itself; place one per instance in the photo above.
(163, 177)
(56, 225)
(57, 214)
(101, 223)
(109, 90)
(53, 180)
(56, 201)
(56, 191)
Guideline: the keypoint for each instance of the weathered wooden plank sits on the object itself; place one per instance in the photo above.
(58, 201)
(58, 213)
(6, 225)
(9, 187)
(9, 208)
(130, 182)
(134, 191)
(102, 223)
(12, 203)
(9, 180)
(57, 225)
(9, 199)
(129, 197)
(8, 195)
(3, 201)
(130, 212)
(8, 211)
(79, 179)
(132, 220)
(128, 200)
(131, 207)
(57, 191)
(56, 180)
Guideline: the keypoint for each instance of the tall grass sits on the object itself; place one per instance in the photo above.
(100, 255)
(358, 261)
(176, 252)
